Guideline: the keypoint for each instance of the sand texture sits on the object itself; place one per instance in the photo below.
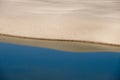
(73, 25)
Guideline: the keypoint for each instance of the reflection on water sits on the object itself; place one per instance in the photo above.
(30, 63)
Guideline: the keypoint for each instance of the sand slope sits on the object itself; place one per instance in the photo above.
(75, 23)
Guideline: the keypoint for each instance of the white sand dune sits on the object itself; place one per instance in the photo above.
(72, 25)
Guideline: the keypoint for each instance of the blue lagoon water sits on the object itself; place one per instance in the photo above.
(31, 63)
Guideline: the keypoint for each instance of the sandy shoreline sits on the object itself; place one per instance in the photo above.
(61, 21)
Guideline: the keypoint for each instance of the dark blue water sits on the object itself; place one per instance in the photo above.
(31, 63)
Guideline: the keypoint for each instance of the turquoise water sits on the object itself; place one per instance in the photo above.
(31, 63)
